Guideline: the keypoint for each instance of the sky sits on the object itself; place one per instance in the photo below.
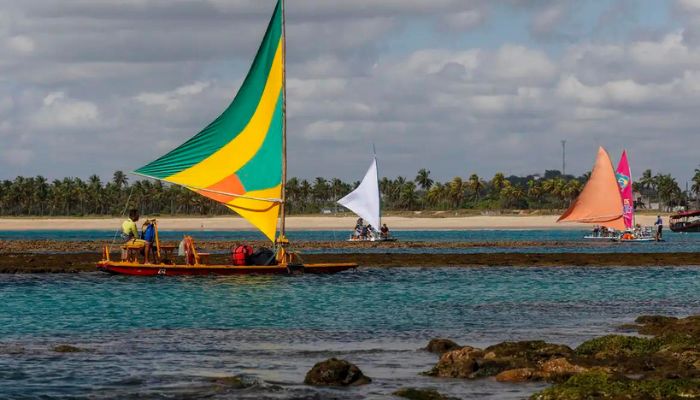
(454, 86)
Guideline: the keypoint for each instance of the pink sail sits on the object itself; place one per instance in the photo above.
(624, 181)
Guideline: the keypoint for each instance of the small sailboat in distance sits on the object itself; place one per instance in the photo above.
(238, 160)
(365, 201)
(600, 202)
(632, 232)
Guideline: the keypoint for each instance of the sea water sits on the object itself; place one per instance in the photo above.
(167, 338)
(562, 241)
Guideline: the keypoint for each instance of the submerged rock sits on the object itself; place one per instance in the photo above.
(508, 361)
(420, 394)
(334, 372)
(441, 346)
(66, 348)
(234, 382)
(11, 349)
(518, 375)
(526, 353)
(459, 363)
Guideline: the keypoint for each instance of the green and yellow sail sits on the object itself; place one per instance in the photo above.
(237, 159)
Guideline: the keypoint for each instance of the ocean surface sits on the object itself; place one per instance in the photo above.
(168, 338)
(563, 241)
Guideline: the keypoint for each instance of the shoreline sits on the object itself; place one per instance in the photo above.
(398, 223)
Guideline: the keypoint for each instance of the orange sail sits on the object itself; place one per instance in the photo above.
(600, 201)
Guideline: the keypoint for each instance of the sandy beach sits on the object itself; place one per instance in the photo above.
(306, 223)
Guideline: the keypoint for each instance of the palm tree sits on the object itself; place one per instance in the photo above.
(408, 195)
(475, 185)
(320, 191)
(695, 188)
(456, 192)
(571, 190)
(667, 188)
(647, 180)
(510, 195)
(498, 183)
(120, 179)
(423, 179)
(436, 195)
(534, 190)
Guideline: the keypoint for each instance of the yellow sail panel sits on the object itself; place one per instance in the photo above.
(263, 215)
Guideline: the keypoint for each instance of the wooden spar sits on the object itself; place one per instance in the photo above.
(283, 207)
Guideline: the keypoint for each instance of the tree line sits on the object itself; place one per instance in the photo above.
(36, 196)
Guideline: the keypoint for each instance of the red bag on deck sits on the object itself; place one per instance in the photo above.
(240, 254)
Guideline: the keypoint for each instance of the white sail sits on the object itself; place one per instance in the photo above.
(364, 201)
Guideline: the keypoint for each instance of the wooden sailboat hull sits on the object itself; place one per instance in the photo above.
(137, 269)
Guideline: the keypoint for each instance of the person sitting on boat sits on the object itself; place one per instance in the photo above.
(638, 231)
(130, 233)
(659, 224)
(364, 232)
(596, 230)
(370, 231)
(384, 232)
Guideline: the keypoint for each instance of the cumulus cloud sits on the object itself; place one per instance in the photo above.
(60, 111)
(456, 86)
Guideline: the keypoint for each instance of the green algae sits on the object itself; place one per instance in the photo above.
(604, 385)
(619, 346)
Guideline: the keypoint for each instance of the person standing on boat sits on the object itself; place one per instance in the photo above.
(130, 233)
(659, 224)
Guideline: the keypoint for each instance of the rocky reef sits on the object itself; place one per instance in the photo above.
(663, 364)
(334, 372)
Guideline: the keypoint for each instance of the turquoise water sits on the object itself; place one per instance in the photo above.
(166, 338)
(563, 241)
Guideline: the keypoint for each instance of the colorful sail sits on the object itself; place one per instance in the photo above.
(237, 159)
(624, 181)
(364, 201)
(600, 201)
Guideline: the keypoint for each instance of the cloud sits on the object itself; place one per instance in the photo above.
(456, 86)
(465, 20)
(172, 100)
(21, 44)
(59, 111)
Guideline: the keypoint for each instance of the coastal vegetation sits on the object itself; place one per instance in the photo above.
(37, 196)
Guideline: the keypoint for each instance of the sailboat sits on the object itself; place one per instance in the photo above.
(600, 201)
(238, 160)
(632, 233)
(365, 201)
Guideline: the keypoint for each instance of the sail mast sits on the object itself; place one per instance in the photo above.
(374, 151)
(283, 207)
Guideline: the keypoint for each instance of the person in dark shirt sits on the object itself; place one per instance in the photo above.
(384, 231)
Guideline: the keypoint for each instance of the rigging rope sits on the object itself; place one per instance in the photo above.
(126, 206)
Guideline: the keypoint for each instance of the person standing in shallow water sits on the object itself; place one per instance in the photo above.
(130, 233)
(659, 224)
